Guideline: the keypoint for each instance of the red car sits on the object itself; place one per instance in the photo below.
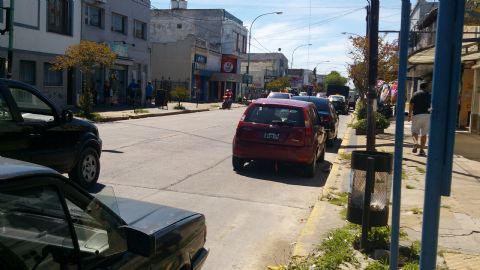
(282, 130)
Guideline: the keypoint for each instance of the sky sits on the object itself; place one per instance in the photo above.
(316, 22)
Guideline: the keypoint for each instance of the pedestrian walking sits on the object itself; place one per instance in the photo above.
(107, 93)
(419, 114)
(149, 93)
(131, 88)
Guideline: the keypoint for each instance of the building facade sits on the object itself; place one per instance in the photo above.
(265, 67)
(124, 26)
(42, 30)
(217, 43)
(422, 56)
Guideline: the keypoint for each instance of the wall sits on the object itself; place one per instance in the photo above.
(466, 98)
(475, 116)
(173, 60)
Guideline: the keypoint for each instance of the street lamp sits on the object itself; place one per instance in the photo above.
(249, 41)
(291, 65)
(326, 61)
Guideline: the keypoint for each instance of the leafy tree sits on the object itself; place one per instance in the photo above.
(180, 94)
(85, 56)
(279, 83)
(387, 62)
(334, 78)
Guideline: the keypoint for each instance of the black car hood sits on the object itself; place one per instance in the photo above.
(148, 217)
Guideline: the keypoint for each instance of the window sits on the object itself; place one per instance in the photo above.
(4, 110)
(179, 26)
(52, 77)
(140, 30)
(93, 16)
(32, 108)
(59, 17)
(34, 231)
(237, 42)
(119, 23)
(28, 72)
(275, 115)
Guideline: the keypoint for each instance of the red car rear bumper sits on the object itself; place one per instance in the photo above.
(275, 152)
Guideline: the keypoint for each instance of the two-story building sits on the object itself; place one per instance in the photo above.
(122, 25)
(42, 30)
(265, 67)
(422, 56)
(201, 47)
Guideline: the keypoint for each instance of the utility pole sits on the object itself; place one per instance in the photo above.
(372, 72)
(10, 42)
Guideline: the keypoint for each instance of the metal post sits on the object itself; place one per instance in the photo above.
(10, 42)
(446, 78)
(369, 182)
(372, 72)
(399, 130)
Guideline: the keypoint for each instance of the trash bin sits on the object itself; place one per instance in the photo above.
(380, 196)
(161, 98)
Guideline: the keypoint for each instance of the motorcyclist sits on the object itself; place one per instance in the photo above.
(227, 99)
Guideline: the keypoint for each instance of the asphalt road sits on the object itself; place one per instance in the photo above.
(184, 161)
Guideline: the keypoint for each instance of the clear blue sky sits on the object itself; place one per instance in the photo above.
(319, 22)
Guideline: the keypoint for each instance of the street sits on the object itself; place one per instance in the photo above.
(184, 161)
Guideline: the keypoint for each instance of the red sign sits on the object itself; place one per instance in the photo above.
(229, 64)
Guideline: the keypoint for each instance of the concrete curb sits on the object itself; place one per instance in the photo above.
(146, 115)
(300, 249)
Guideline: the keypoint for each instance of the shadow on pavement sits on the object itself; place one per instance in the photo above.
(290, 174)
(334, 148)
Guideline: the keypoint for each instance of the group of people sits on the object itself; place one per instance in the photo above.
(133, 90)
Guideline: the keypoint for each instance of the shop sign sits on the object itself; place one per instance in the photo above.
(229, 64)
(120, 50)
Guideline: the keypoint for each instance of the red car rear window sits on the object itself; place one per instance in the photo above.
(275, 115)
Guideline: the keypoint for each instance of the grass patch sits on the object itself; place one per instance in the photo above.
(421, 169)
(214, 106)
(343, 213)
(339, 199)
(378, 265)
(446, 206)
(345, 156)
(410, 187)
(404, 175)
(416, 211)
(94, 116)
(179, 107)
(138, 111)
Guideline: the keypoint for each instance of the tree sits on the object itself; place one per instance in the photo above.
(278, 84)
(85, 56)
(387, 62)
(334, 78)
(180, 94)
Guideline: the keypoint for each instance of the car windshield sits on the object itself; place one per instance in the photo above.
(275, 115)
(279, 95)
(337, 98)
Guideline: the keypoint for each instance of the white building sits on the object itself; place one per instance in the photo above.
(42, 30)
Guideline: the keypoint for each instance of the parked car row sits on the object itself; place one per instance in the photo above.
(50, 222)
(282, 130)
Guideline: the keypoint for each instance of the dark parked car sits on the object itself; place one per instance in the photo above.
(34, 129)
(328, 116)
(340, 104)
(281, 130)
(48, 222)
(279, 95)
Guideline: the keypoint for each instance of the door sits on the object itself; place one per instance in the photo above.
(14, 138)
(50, 142)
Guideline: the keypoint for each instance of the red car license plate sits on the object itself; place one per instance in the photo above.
(271, 136)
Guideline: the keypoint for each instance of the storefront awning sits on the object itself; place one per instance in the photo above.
(226, 77)
(425, 56)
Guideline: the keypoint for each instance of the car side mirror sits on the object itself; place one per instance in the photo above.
(139, 242)
(67, 116)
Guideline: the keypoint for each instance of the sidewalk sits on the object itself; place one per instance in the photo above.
(125, 112)
(459, 234)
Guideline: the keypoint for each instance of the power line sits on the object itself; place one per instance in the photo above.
(317, 23)
(261, 44)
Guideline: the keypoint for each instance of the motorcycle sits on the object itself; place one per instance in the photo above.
(227, 102)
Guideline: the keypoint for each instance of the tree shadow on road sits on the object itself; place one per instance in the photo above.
(290, 174)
